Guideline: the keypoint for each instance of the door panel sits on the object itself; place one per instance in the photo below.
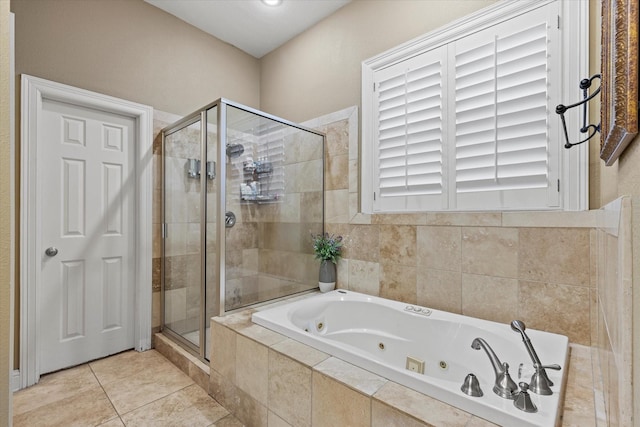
(86, 178)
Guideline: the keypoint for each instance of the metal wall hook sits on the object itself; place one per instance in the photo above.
(585, 84)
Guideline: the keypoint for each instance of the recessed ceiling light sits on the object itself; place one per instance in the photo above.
(272, 2)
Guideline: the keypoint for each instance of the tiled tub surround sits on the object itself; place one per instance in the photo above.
(380, 335)
(267, 379)
(614, 311)
(552, 260)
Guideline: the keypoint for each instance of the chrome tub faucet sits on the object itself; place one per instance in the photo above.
(504, 386)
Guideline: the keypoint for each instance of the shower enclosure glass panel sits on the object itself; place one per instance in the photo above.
(274, 175)
(182, 249)
(242, 194)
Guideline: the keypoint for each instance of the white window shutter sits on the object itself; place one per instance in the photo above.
(504, 154)
(409, 142)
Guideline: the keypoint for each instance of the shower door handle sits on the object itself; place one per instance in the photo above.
(229, 219)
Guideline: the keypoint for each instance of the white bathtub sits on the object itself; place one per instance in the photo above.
(378, 335)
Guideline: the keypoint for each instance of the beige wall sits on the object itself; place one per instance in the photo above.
(5, 221)
(132, 50)
(318, 72)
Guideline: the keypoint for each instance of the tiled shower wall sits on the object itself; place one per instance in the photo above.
(268, 251)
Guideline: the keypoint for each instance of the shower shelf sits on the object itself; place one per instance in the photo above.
(260, 199)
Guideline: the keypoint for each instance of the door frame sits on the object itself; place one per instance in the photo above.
(34, 91)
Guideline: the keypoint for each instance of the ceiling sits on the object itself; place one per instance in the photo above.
(250, 25)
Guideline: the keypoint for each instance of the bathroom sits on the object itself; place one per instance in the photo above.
(312, 76)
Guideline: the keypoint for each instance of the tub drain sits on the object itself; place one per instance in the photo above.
(443, 365)
(319, 326)
(381, 346)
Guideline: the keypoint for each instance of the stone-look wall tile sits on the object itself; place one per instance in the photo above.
(335, 404)
(156, 310)
(223, 391)
(424, 408)
(439, 247)
(289, 389)
(593, 258)
(490, 251)
(490, 298)
(385, 416)
(336, 172)
(357, 378)
(250, 411)
(555, 255)
(364, 277)
(252, 368)
(465, 219)
(156, 274)
(336, 138)
(593, 312)
(168, 349)
(398, 282)
(284, 236)
(398, 244)
(556, 219)
(353, 176)
(556, 308)
(156, 251)
(299, 352)
(311, 208)
(176, 242)
(400, 219)
(337, 206)
(342, 274)
(440, 289)
(223, 350)
(362, 243)
(613, 393)
(199, 374)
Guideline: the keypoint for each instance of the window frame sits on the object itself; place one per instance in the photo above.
(574, 49)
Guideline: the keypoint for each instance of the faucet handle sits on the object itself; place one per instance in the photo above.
(523, 399)
(555, 367)
(540, 382)
(504, 386)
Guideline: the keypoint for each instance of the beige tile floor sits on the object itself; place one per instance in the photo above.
(127, 389)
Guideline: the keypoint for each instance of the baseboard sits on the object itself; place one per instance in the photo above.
(15, 380)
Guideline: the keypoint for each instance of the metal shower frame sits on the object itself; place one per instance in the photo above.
(221, 120)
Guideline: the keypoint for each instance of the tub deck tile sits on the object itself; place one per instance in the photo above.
(424, 408)
(262, 335)
(352, 376)
(236, 321)
(300, 352)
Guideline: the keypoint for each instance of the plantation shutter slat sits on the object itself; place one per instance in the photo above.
(502, 113)
(409, 140)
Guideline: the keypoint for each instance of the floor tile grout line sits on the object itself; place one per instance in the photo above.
(154, 401)
(106, 394)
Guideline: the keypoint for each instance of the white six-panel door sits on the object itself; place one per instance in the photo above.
(87, 182)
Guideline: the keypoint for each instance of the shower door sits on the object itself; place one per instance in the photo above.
(182, 258)
(274, 193)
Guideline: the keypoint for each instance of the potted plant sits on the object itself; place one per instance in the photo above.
(328, 249)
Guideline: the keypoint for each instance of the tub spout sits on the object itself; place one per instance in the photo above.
(504, 386)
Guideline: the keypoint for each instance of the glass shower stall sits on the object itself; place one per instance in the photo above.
(242, 195)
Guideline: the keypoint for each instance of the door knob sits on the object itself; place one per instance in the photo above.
(52, 251)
